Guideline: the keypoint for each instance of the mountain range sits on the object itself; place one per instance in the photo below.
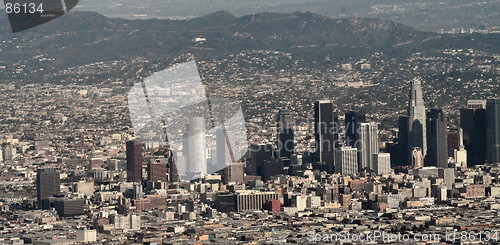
(81, 38)
(428, 15)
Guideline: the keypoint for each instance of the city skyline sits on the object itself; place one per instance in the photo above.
(274, 127)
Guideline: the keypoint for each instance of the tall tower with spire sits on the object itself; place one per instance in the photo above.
(416, 117)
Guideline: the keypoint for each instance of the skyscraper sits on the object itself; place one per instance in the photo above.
(173, 174)
(437, 139)
(47, 184)
(352, 121)
(401, 150)
(134, 161)
(416, 117)
(381, 163)
(473, 123)
(346, 160)
(493, 130)
(367, 145)
(285, 134)
(417, 159)
(196, 147)
(259, 154)
(460, 154)
(157, 171)
(234, 173)
(326, 132)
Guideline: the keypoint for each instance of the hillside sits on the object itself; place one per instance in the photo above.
(80, 38)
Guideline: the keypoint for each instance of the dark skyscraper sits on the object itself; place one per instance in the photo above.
(473, 124)
(157, 171)
(416, 117)
(493, 130)
(285, 134)
(326, 132)
(437, 139)
(400, 152)
(259, 154)
(352, 121)
(134, 161)
(47, 184)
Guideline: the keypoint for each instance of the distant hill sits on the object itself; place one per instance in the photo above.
(428, 15)
(80, 38)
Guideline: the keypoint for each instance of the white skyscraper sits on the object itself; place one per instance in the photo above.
(382, 163)
(346, 160)
(417, 118)
(367, 145)
(417, 159)
(460, 154)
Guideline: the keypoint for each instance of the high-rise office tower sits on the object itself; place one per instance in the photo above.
(47, 184)
(367, 145)
(473, 123)
(416, 117)
(264, 162)
(234, 172)
(137, 189)
(326, 132)
(157, 171)
(196, 147)
(352, 121)
(460, 154)
(437, 139)
(134, 161)
(401, 150)
(285, 134)
(259, 154)
(381, 163)
(493, 130)
(346, 160)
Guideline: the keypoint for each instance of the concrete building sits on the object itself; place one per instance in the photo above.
(417, 132)
(86, 236)
(460, 154)
(382, 163)
(367, 145)
(346, 161)
(243, 201)
(47, 184)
